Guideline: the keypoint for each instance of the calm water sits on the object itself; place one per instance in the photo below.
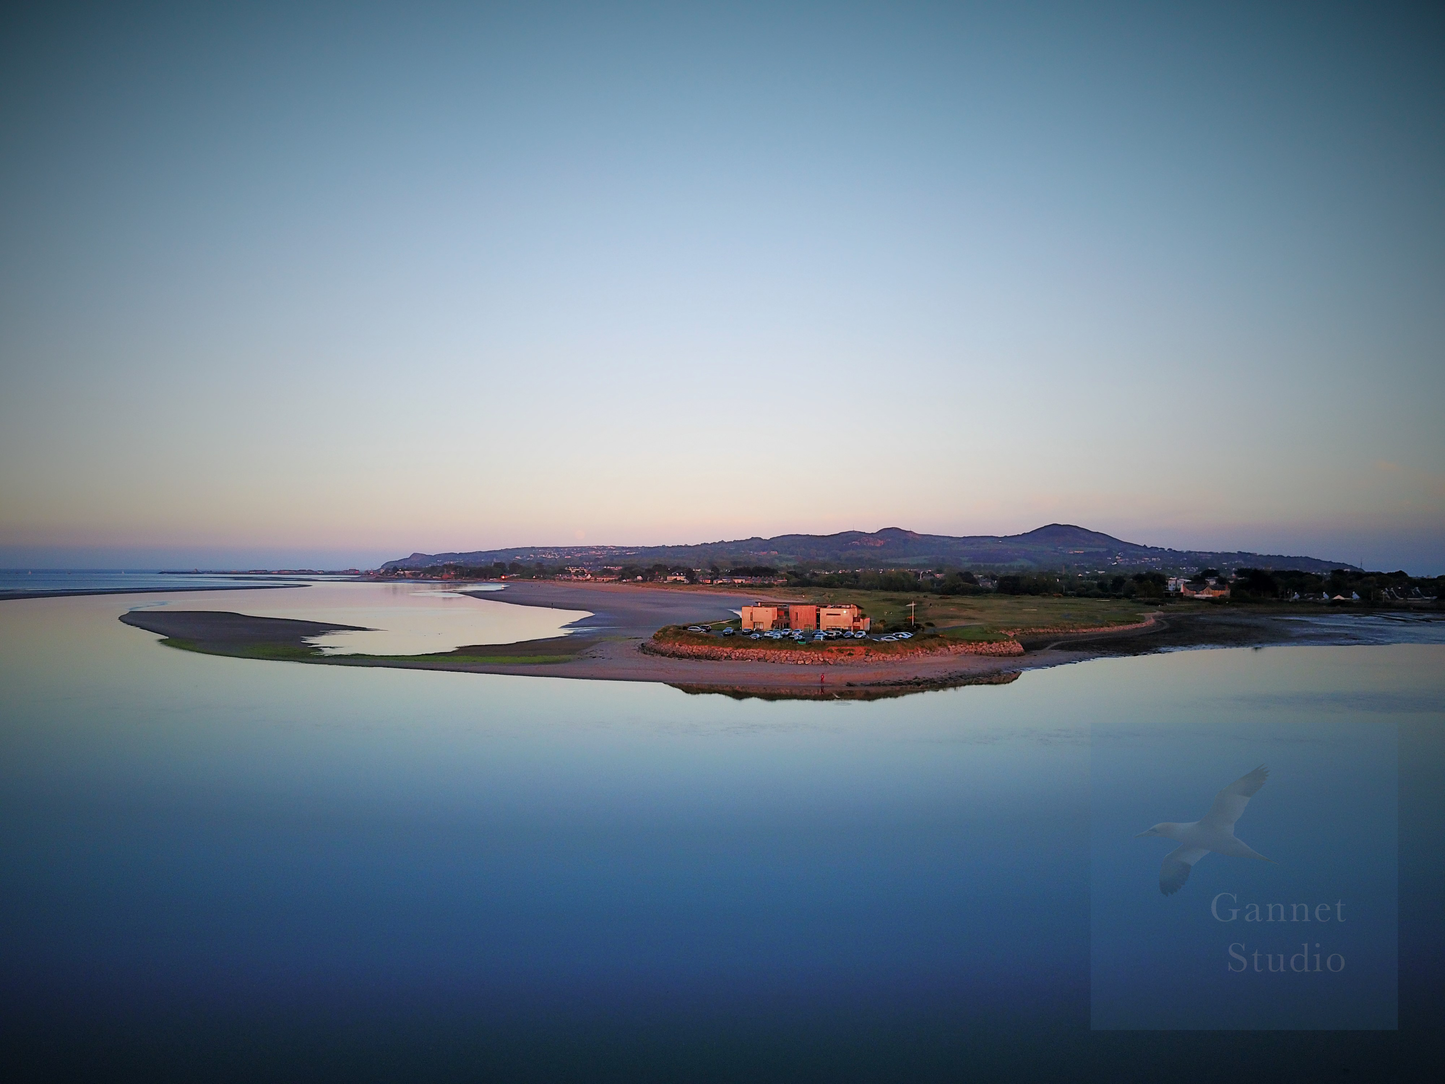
(394, 618)
(223, 869)
(91, 579)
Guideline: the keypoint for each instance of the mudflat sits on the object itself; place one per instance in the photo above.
(219, 630)
(608, 645)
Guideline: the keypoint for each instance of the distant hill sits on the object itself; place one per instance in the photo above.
(1057, 546)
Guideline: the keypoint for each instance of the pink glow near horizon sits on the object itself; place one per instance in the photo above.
(482, 281)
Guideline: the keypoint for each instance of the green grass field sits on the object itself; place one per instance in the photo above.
(983, 615)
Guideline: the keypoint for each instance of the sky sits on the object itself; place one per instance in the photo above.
(312, 285)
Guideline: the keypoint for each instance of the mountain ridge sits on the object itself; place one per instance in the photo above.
(1052, 546)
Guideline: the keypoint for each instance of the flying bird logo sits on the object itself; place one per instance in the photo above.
(1212, 832)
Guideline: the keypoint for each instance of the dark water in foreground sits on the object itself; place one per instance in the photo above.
(222, 869)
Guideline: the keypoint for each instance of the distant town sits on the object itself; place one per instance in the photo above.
(1345, 585)
(1059, 560)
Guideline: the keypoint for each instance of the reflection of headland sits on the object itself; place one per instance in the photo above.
(880, 691)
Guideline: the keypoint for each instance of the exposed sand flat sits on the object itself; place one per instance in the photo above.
(391, 619)
(634, 611)
(607, 645)
(610, 659)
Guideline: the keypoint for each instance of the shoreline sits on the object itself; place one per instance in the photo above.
(61, 592)
(598, 659)
(613, 644)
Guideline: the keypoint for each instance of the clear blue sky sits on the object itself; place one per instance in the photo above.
(331, 285)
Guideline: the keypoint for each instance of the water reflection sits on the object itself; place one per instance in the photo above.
(397, 618)
(1328, 817)
(561, 859)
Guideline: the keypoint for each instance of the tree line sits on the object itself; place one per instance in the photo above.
(1247, 585)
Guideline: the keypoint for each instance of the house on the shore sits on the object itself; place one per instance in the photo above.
(804, 618)
(1211, 589)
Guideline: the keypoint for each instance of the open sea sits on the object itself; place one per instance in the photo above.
(223, 869)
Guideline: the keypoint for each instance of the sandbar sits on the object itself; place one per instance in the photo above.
(608, 645)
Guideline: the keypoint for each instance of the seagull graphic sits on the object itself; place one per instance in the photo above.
(1213, 832)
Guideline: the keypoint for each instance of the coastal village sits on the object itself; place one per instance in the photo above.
(1341, 586)
(1059, 561)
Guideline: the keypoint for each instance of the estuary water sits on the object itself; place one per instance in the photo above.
(392, 618)
(217, 868)
(52, 580)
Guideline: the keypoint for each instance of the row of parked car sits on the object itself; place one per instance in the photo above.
(800, 636)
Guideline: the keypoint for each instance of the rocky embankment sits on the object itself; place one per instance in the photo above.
(831, 654)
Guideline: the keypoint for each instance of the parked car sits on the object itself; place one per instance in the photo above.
(696, 628)
(728, 631)
(905, 635)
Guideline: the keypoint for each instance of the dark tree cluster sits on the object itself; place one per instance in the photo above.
(1267, 585)
(1247, 585)
(898, 580)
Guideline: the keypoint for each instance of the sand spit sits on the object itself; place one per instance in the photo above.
(615, 644)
